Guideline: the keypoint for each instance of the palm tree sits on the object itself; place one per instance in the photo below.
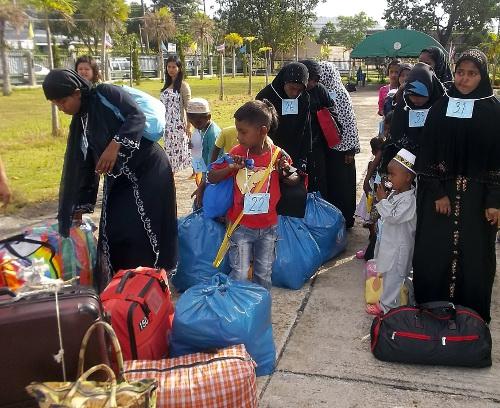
(46, 7)
(107, 16)
(201, 28)
(492, 50)
(233, 41)
(12, 14)
(160, 25)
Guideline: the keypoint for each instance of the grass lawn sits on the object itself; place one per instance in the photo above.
(33, 158)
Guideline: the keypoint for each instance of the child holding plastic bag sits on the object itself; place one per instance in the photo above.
(257, 167)
(398, 213)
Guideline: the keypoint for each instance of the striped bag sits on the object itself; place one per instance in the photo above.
(225, 378)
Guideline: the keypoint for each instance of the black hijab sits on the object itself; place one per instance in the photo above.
(421, 78)
(442, 67)
(293, 133)
(313, 68)
(466, 147)
(60, 83)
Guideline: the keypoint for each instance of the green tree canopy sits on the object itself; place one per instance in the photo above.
(442, 17)
(274, 22)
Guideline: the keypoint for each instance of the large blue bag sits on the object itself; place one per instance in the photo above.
(297, 254)
(199, 241)
(224, 313)
(153, 109)
(326, 224)
(218, 198)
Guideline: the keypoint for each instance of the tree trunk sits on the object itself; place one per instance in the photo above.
(202, 57)
(6, 88)
(250, 73)
(221, 95)
(104, 66)
(160, 64)
(55, 116)
(234, 62)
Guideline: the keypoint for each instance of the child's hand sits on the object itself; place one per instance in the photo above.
(493, 216)
(381, 193)
(443, 206)
(238, 162)
(198, 195)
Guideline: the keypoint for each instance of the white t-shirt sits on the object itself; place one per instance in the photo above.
(196, 144)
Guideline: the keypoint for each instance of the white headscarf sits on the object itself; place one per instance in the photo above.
(330, 78)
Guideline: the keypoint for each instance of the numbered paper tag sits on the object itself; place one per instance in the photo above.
(199, 165)
(290, 107)
(460, 108)
(333, 95)
(256, 203)
(417, 118)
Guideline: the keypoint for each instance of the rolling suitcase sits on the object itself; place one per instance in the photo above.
(138, 303)
(30, 339)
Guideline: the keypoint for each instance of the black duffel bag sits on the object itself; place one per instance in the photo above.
(437, 333)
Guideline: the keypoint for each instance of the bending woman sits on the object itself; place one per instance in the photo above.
(458, 197)
(138, 221)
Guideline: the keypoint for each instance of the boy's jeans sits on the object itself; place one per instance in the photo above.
(257, 245)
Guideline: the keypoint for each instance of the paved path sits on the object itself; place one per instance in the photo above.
(323, 356)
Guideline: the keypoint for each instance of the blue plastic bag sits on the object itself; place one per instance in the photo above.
(297, 254)
(224, 313)
(153, 109)
(218, 198)
(326, 224)
(199, 241)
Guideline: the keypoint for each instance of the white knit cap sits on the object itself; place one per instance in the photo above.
(406, 158)
(198, 105)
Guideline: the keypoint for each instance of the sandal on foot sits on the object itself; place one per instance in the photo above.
(373, 309)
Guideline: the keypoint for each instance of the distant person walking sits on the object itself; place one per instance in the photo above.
(175, 95)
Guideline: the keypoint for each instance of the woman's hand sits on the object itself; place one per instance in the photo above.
(108, 158)
(443, 206)
(493, 216)
(381, 193)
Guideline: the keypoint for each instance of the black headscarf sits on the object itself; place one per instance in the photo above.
(293, 133)
(481, 61)
(442, 67)
(313, 68)
(402, 136)
(465, 147)
(60, 83)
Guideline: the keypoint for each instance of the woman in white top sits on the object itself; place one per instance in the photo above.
(175, 96)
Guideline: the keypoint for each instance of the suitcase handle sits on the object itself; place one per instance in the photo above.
(114, 340)
(431, 306)
(126, 275)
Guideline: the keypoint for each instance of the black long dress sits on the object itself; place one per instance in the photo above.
(138, 224)
(454, 257)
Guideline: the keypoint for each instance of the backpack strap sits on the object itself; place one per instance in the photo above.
(110, 106)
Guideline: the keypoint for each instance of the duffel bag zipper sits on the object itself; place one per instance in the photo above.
(444, 339)
(195, 364)
(410, 335)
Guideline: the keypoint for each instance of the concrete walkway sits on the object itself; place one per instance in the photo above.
(320, 331)
(324, 357)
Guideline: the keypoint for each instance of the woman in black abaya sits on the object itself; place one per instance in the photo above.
(293, 133)
(438, 61)
(458, 197)
(138, 222)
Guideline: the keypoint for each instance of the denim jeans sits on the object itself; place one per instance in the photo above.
(253, 244)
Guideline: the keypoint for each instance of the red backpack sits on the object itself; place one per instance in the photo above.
(138, 303)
